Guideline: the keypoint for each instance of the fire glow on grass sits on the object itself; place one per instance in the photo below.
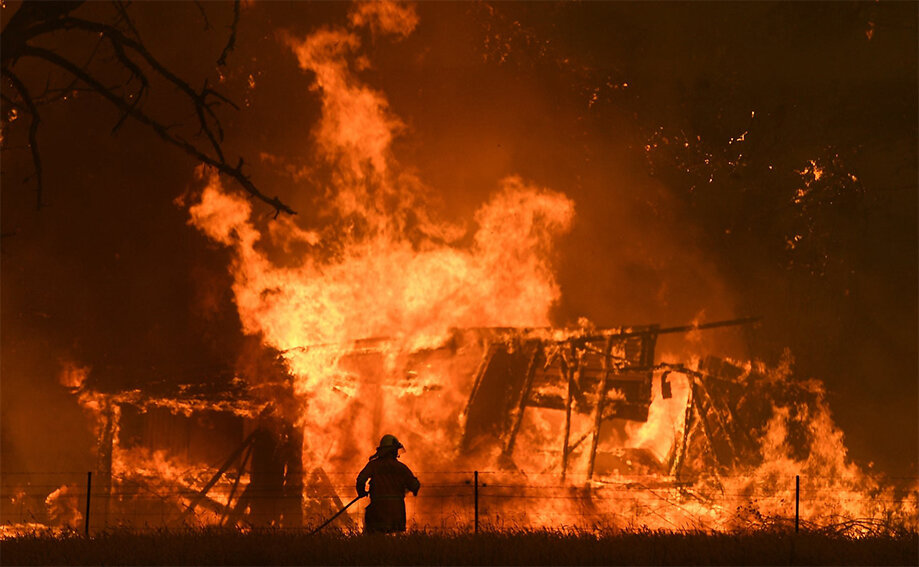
(382, 267)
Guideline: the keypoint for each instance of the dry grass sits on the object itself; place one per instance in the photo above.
(222, 547)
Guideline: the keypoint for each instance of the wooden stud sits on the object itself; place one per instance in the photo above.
(522, 403)
(598, 414)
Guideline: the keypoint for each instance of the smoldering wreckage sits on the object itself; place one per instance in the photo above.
(559, 411)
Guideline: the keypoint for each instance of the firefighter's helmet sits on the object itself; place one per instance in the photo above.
(390, 442)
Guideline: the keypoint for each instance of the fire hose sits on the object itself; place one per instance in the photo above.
(337, 514)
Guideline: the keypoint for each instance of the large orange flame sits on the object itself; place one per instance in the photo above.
(364, 308)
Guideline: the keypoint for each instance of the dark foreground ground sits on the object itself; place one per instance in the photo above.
(527, 548)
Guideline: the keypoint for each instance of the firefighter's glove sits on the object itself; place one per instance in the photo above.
(361, 493)
(415, 492)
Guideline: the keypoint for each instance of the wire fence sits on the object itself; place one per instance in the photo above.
(458, 501)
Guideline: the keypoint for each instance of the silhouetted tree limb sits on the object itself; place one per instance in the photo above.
(207, 22)
(161, 130)
(124, 17)
(34, 19)
(33, 129)
(231, 42)
(30, 20)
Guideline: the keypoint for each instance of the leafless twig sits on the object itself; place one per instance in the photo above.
(33, 129)
(122, 8)
(235, 172)
(34, 19)
(231, 42)
(207, 22)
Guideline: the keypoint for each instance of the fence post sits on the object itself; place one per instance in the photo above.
(476, 499)
(797, 500)
(89, 487)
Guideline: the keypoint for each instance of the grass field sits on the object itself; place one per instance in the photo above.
(216, 547)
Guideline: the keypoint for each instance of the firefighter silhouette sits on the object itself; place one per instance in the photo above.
(389, 481)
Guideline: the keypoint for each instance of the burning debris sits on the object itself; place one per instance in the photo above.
(584, 419)
(604, 374)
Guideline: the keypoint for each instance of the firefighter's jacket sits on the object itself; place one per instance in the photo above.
(389, 481)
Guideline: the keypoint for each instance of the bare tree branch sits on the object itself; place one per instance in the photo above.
(33, 129)
(231, 42)
(202, 109)
(122, 8)
(207, 22)
(135, 73)
(37, 18)
(162, 131)
(30, 20)
(71, 87)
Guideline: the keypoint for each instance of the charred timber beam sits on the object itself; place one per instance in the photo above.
(628, 333)
(524, 397)
(320, 488)
(742, 433)
(679, 452)
(647, 348)
(577, 443)
(214, 506)
(223, 468)
(598, 415)
(479, 374)
(721, 421)
(372, 343)
(550, 401)
(706, 430)
(699, 326)
(567, 376)
(240, 470)
(238, 510)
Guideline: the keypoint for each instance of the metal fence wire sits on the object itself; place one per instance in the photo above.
(459, 501)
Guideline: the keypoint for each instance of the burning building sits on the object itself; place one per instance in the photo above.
(578, 415)
(379, 313)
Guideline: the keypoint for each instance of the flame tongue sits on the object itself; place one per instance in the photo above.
(383, 267)
(389, 287)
